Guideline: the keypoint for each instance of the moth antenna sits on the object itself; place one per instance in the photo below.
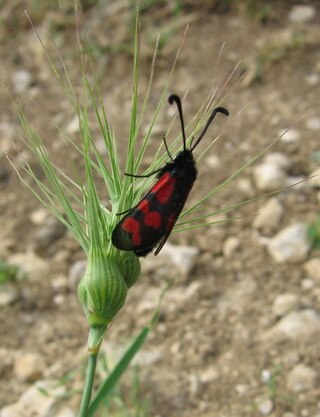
(212, 116)
(167, 148)
(175, 98)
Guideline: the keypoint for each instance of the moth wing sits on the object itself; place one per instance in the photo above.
(142, 228)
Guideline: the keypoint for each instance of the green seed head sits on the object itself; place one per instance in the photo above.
(103, 289)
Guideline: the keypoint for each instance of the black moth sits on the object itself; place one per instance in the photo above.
(150, 223)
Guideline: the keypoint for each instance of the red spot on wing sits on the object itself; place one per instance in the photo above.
(152, 219)
(164, 188)
(132, 226)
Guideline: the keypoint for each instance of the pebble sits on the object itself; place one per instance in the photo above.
(278, 158)
(290, 136)
(209, 375)
(312, 269)
(302, 13)
(9, 294)
(230, 245)
(39, 216)
(48, 233)
(28, 367)
(314, 180)
(291, 244)
(73, 126)
(76, 272)
(21, 81)
(285, 303)
(213, 162)
(302, 378)
(269, 177)
(301, 325)
(30, 265)
(33, 402)
(65, 412)
(313, 123)
(181, 256)
(266, 407)
(269, 216)
(7, 133)
(266, 376)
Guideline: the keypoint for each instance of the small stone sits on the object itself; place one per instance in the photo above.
(28, 367)
(279, 159)
(302, 13)
(8, 294)
(50, 232)
(285, 303)
(307, 284)
(38, 401)
(65, 412)
(266, 407)
(213, 162)
(244, 185)
(7, 133)
(290, 136)
(209, 375)
(312, 268)
(39, 216)
(269, 215)
(230, 245)
(312, 79)
(314, 180)
(73, 126)
(21, 81)
(291, 244)
(76, 272)
(313, 123)
(269, 177)
(266, 376)
(302, 378)
(30, 265)
(181, 256)
(296, 326)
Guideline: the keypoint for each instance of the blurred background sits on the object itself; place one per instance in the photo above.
(239, 329)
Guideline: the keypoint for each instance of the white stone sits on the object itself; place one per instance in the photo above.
(213, 162)
(269, 215)
(290, 136)
(302, 13)
(266, 407)
(34, 402)
(302, 378)
(266, 376)
(279, 159)
(6, 135)
(21, 81)
(312, 268)
(8, 294)
(269, 177)
(30, 265)
(65, 412)
(313, 123)
(314, 180)
(291, 244)
(73, 126)
(28, 366)
(230, 245)
(284, 303)
(297, 326)
(181, 256)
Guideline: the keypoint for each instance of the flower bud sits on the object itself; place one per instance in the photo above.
(103, 289)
